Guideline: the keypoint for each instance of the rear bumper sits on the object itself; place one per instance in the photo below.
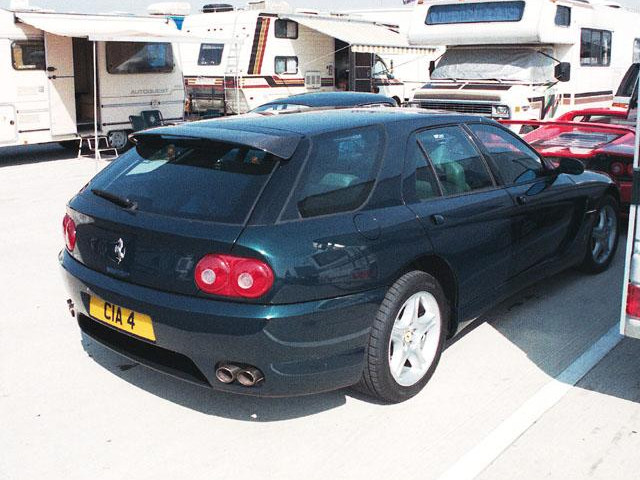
(301, 348)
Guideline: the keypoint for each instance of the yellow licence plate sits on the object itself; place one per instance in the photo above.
(122, 318)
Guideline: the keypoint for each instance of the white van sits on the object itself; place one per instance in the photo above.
(523, 59)
(262, 53)
(48, 89)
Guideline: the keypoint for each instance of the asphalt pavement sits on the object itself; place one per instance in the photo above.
(500, 406)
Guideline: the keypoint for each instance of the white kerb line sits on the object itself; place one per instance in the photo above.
(476, 460)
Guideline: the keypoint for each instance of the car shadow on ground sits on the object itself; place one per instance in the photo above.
(212, 402)
(540, 320)
(22, 155)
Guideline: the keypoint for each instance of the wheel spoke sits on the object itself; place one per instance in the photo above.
(397, 334)
(417, 360)
(398, 360)
(425, 323)
(597, 249)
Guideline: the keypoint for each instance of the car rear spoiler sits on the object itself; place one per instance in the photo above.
(280, 143)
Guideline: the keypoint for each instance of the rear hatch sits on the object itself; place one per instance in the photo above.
(155, 212)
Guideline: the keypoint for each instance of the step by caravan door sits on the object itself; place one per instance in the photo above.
(62, 90)
(8, 131)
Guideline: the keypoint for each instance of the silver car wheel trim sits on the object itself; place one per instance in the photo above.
(117, 139)
(414, 339)
(603, 236)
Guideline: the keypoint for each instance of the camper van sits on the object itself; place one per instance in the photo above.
(53, 92)
(258, 54)
(523, 59)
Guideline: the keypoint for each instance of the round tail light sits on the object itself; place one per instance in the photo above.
(69, 232)
(617, 169)
(231, 276)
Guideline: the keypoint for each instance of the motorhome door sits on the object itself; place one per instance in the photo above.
(62, 97)
(361, 81)
(7, 124)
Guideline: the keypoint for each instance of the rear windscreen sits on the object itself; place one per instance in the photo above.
(208, 181)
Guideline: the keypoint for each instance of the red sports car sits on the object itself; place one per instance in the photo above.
(602, 138)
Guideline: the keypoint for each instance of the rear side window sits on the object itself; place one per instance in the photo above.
(420, 183)
(134, 57)
(459, 166)
(595, 48)
(198, 180)
(563, 16)
(516, 162)
(28, 55)
(339, 174)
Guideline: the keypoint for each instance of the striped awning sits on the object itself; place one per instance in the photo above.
(363, 36)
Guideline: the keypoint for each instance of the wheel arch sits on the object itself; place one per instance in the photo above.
(440, 269)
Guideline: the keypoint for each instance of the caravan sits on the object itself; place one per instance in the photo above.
(523, 59)
(265, 52)
(72, 76)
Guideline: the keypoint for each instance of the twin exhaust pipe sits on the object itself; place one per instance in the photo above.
(245, 376)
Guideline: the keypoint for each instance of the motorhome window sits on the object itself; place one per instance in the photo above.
(134, 57)
(28, 55)
(563, 16)
(286, 29)
(595, 48)
(287, 65)
(636, 50)
(475, 13)
(210, 54)
(496, 64)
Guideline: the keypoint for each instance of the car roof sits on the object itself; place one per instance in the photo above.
(281, 134)
(333, 99)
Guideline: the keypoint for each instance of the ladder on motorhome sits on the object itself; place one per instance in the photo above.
(233, 72)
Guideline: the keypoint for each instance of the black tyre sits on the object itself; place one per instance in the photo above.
(406, 340)
(604, 237)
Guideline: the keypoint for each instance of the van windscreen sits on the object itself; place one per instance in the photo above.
(195, 179)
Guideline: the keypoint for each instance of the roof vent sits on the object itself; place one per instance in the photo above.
(217, 8)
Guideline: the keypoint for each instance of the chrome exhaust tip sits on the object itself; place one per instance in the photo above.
(250, 377)
(227, 373)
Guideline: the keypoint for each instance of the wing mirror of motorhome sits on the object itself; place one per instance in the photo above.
(432, 67)
(563, 72)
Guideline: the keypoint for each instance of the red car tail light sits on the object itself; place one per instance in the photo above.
(232, 276)
(633, 300)
(69, 232)
(617, 169)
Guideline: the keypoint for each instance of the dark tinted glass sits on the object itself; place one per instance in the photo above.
(459, 166)
(190, 179)
(28, 55)
(595, 47)
(340, 172)
(286, 29)
(516, 162)
(210, 54)
(629, 82)
(420, 183)
(475, 12)
(563, 16)
(134, 57)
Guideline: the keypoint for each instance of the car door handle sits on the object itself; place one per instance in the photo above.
(521, 199)
(437, 219)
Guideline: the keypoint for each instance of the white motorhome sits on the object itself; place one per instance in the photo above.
(49, 78)
(523, 59)
(255, 55)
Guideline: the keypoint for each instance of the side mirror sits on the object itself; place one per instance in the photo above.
(572, 166)
(563, 72)
(432, 67)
